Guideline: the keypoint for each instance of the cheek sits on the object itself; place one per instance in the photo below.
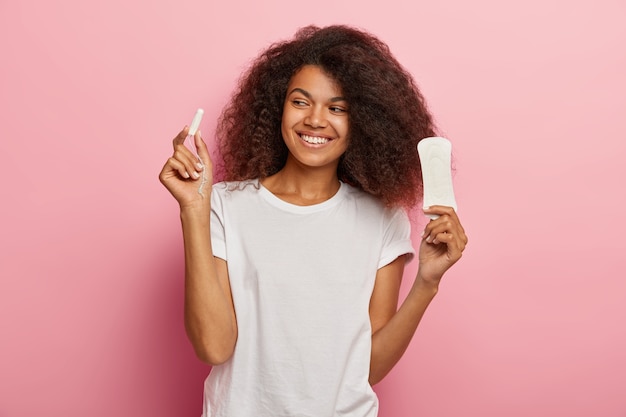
(286, 128)
(288, 118)
(344, 126)
(284, 122)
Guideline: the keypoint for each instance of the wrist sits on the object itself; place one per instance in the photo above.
(195, 213)
(426, 285)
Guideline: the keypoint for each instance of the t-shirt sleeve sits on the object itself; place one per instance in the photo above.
(218, 238)
(396, 237)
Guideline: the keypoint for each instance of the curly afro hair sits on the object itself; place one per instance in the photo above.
(387, 115)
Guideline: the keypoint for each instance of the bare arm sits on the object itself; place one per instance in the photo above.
(391, 339)
(442, 244)
(209, 312)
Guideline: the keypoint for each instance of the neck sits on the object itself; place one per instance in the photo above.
(303, 185)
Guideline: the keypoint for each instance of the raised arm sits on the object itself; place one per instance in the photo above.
(210, 319)
(443, 242)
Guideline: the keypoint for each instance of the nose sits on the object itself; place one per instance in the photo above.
(315, 118)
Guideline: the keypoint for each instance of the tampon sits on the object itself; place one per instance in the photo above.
(195, 123)
(435, 158)
(191, 144)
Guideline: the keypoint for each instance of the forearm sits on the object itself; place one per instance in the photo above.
(209, 314)
(390, 342)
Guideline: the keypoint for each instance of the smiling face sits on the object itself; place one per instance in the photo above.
(315, 119)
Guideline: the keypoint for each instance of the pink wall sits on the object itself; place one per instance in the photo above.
(532, 93)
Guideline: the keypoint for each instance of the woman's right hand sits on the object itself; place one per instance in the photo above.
(183, 174)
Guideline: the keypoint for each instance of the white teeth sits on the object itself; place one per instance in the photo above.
(314, 139)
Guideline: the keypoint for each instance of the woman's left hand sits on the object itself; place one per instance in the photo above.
(442, 244)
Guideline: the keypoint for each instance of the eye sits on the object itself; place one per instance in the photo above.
(298, 102)
(338, 109)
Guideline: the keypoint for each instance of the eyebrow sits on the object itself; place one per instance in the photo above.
(308, 95)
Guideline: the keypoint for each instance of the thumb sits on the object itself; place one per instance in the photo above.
(201, 148)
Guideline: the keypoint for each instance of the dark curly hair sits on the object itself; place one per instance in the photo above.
(387, 114)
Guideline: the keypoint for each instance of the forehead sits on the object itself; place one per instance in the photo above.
(313, 78)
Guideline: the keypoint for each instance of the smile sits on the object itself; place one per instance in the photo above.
(314, 140)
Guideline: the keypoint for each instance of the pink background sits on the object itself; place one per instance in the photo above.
(532, 94)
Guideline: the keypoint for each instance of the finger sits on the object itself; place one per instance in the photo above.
(454, 246)
(442, 224)
(201, 148)
(180, 138)
(184, 154)
(454, 241)
(445, 214)
(177, 166)
(189, 161)
(449, 239)
(441, 211)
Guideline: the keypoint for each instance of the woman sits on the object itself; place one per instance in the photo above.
(294, 263)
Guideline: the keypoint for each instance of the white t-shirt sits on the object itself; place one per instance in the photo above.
(301, 279)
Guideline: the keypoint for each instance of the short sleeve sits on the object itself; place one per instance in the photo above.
(396, 237)
(218, 236)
